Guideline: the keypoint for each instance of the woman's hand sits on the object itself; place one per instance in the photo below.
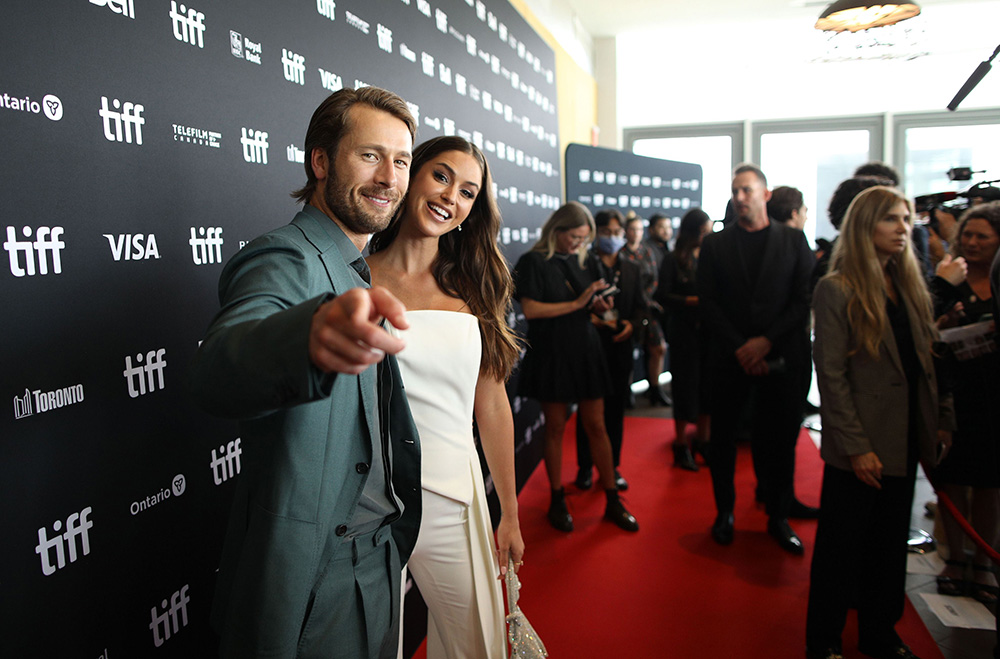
(625, 334)
(868, 468)
(509, 543)
(588, 295)
(952, 318)
(952, 270)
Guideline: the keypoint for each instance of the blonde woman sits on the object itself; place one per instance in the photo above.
(881, 413)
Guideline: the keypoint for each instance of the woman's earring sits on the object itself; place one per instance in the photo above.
(459, 227)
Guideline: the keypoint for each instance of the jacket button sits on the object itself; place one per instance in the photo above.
(362, 468)
(341, 530)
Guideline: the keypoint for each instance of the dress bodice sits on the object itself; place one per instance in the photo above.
(440, 368)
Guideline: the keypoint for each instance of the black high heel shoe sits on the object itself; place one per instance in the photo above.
(683, 457)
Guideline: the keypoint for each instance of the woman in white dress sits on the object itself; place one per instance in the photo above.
(440, 257)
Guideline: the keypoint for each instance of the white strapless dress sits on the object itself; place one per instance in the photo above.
(440, 369)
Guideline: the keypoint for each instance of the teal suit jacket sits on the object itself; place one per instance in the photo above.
(307, 437)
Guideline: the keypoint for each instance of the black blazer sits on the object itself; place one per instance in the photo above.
(777, 307)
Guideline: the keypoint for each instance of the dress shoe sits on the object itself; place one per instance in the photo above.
(783, 533)
(722, 529)
(620, 482)
(826, 653)
(898, 651)
(658, 398)
(701, 448)
(584, 478)
(558, 514)
(683, 457)
(617, 515)
(800, 510)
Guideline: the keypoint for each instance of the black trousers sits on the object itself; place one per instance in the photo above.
(859, 559)
(775, 420)
(620, 365)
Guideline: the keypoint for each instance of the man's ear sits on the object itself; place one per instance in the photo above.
(320, 163)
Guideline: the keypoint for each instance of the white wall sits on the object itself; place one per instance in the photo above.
(766, 70)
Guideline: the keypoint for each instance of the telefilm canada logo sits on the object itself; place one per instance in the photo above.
(243, 48)
(38, 401)
(197, 136)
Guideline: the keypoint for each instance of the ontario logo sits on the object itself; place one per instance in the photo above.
(50, 105)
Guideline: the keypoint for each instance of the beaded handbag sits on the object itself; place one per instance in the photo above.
(524, 641)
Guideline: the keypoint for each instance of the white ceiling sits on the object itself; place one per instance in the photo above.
(603, 18)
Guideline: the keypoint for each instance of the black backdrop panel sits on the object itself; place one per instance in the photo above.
(605, 178)
(143, 144)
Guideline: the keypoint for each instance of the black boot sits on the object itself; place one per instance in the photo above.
(616, 513)
(701, 448)
(683, 457)
(558, 515)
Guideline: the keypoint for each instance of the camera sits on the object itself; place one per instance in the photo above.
(956, 202)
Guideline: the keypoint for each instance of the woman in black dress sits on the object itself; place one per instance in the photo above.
(678, 294)
(974, 462)
(564, 362)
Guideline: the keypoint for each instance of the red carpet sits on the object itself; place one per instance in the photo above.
(669, 590)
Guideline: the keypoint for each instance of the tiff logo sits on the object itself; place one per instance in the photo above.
(123, 7)
(46, 242)
(254, 146)
(189, 27)
(129, 118)
(130, 246)
(326, 8)
(226, 463)
(174, 616)
(384, 38)
(294, 66)
(206, 248)
(78, 525)
(143, 379)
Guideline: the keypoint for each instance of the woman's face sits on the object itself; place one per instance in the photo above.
(892, 231)
(569, 241)
(979, 241)
(443, 191)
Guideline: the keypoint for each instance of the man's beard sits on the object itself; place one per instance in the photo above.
(353, 215)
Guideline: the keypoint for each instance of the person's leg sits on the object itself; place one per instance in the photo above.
(592, 416)
(726, 406)
(986, 522)
(951, 580)
(555, 425)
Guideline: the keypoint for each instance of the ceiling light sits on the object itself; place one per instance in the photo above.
(851, 15)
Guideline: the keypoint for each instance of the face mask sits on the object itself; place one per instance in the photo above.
(609, 244)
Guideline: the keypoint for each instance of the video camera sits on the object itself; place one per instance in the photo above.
(956, 202)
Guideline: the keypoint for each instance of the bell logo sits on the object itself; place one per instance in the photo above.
(78, 525)
(206, 245)
(137, 377)
(226, 463)
(46, 242)
(124, 7)
(173, 617)
(189, 25)
(124, 123)
(132, 247)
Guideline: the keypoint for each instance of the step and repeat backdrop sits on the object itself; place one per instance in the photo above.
(143, 144)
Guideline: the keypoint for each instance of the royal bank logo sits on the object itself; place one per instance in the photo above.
(188, 24)
(68, 545)
(132, 246)
(123, 7)
(197, 136)
(124, 122)
(327, 8)
(254, 146)
(243, 48)
(46, 248)
(51, 106)
(175, 489)
(293, 66)
(173, 617)
(225, 463)
(145, 378)
(206, 245)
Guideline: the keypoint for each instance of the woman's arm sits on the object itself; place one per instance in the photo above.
(535, 309)
(496, 431)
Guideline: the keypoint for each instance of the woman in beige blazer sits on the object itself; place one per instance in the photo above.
(881, 413)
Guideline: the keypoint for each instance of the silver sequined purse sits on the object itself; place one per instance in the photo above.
(524, 641)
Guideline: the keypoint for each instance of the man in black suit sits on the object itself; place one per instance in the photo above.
(753, 282)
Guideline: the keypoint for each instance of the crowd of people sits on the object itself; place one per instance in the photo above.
(364, 347)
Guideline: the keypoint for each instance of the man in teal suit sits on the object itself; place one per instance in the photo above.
(328, 501)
